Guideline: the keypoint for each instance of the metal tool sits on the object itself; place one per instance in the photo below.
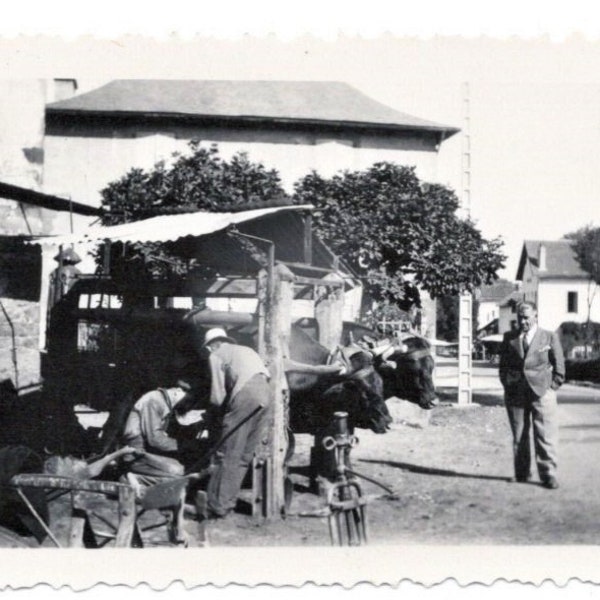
(346, 503)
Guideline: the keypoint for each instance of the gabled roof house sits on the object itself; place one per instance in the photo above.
(553, 279)
(292, 126)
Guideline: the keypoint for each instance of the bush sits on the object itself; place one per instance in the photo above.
(576, 335)
(583, 370)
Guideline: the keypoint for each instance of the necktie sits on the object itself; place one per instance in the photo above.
(525, 344)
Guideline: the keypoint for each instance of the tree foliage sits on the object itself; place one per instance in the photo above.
(198, 180)
(586, 245)
(396, 231)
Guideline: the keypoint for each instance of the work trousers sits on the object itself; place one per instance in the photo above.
(154, 468)
(236, 452)
(542, 413)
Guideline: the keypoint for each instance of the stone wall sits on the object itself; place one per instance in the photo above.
(24, 316)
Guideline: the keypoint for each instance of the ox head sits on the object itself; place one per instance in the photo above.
(407, 370)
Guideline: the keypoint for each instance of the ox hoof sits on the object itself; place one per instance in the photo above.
(430, 404)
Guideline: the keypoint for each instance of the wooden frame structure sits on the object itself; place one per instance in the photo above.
(274, 290)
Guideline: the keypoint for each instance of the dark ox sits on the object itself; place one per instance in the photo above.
(405, 370)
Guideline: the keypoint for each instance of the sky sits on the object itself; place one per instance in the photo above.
(534, 100)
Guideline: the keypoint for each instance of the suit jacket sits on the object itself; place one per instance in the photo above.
(541, 369)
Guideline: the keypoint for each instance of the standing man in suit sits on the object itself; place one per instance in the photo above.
(532, 368)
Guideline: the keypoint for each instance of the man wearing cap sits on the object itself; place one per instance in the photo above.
(157, 458)
(64, 276)
(240, 394)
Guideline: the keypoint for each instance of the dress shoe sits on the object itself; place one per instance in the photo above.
(551, 483)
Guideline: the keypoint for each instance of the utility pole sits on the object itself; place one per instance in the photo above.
(465, 317)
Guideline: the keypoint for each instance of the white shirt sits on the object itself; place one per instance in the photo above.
(528, 335)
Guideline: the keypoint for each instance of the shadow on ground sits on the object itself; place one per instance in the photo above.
(490, 397)
(431, 470)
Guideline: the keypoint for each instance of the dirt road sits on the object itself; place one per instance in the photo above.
(449, 469)
(450, 475)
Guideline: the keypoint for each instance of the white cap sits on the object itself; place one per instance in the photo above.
(217, 333)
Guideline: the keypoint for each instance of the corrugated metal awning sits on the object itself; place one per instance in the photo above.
(165, 228)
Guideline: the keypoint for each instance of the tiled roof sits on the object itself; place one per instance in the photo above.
(516, 296)
(292, 101)
(496, 291)
(560, 260)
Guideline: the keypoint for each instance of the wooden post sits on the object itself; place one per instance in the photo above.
(308, 250)
(274, 334)
(106, 258)
(329, 313)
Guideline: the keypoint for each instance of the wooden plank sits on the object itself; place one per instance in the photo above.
(127, 517)
(308, 250)
(329, 313)
(306, 267)
(217, 287)
(318, 282)
(40, 480)
(280, 320)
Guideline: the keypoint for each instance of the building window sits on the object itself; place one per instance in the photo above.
(572, 302)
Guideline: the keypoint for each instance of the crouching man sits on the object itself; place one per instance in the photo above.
(158, 457)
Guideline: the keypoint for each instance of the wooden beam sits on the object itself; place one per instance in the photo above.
(306, 267)
(329, 309)
(274, 334)
(314, 281)
(308, 251)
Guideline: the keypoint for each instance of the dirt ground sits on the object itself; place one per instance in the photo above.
(450, 471)
(451, 482)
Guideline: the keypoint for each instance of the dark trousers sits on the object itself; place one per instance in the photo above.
(542, 413)
(235, 454)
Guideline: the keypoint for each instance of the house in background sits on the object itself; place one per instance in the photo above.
(294, 127)
(58, 150)
(507, 311)
(488, 309)
(291, 126)
(551, 277)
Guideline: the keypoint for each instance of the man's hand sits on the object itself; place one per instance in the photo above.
(191, 417)
(130, 451)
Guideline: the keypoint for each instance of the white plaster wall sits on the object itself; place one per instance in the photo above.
(79, 167)
(529, 285)
(487, 312)
(505, 316)
(21, 127)
(552, 302)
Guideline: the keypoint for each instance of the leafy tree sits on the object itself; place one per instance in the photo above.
(198, 180)
(586, 245)
(398, 232)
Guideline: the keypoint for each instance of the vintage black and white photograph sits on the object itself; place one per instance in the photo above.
(308, 293)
